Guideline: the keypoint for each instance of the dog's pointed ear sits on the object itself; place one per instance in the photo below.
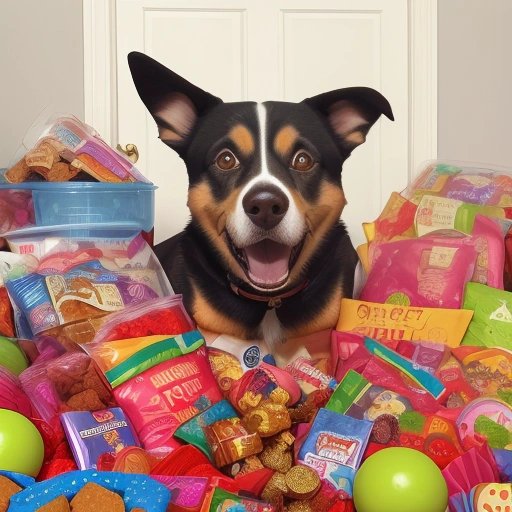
(174, 103)
(351, 112)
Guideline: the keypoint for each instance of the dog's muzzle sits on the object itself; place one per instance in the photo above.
(271, 246)
(266, 206)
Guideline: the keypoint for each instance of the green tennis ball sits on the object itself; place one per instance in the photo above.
(11, 356)
(400, 480)
(21, 444)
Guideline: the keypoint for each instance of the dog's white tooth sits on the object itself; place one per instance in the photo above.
(272, 330)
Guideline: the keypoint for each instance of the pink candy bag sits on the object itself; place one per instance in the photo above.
(489, 243)
(160, 399)
(12, 396)
(430, 271)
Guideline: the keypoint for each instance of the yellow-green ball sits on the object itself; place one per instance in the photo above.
(21, 444)
(400, 480)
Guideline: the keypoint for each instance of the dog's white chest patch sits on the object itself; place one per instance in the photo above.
(271, 329)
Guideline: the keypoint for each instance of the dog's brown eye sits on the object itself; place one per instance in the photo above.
(226, 160)
(302, 161)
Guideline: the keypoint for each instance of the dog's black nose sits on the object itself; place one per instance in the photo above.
(265, 205)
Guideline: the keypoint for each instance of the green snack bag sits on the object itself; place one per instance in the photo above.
(491, 324)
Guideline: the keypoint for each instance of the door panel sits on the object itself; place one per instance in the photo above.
(262, 50)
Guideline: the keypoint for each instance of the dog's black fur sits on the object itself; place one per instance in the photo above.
(224, 263)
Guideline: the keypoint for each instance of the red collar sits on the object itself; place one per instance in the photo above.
(273, 301)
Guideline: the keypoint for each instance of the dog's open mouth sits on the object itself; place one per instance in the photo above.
(267, 264)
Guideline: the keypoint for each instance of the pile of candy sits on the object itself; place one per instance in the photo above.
(137, 413)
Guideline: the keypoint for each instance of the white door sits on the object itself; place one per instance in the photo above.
(270, 50)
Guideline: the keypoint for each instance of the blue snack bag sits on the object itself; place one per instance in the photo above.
(334, 448)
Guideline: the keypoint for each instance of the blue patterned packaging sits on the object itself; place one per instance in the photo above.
(334, 447)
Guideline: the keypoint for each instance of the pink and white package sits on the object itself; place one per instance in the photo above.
(160, 399)
(430, 271)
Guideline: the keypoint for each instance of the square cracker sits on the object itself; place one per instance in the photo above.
(59, 504)
(93, 498)
(7, 489)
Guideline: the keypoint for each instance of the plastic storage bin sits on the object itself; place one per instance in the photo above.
(90, 202)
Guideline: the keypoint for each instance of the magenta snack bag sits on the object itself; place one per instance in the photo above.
(489, 243)
(91, 434)
(430, 271)
(160, 399)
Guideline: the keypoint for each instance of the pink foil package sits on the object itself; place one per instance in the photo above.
(430, 271)
(160, 399)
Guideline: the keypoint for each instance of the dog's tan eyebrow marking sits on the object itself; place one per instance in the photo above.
(285, 140)
(243, 138)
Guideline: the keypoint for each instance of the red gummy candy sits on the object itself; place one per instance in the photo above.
(56, 467)
(106, 462)
(162, 322)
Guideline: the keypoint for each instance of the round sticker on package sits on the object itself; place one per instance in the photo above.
(251, 357)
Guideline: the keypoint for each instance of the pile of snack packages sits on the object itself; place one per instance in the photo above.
(137, 413)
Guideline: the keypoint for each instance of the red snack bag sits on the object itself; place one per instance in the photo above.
(383, 374)
(160, 399)
(162, 316)
(349, 353)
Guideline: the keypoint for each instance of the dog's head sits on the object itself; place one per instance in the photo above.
(264, 179)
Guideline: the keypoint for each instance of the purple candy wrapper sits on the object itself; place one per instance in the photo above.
(91, 434)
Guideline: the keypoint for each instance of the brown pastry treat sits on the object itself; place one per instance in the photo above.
(302, 482)
(18, 173)
(305, 411)
(42, 157)
(93, 498)
(59, 504)
(61, 171)
(7, 489)
(385, 430)
(87, 400)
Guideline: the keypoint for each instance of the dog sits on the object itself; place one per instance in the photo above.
(265, 255)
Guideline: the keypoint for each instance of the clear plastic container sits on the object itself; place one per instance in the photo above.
(76, 202)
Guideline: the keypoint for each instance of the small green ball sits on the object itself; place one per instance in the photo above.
(400, 480)
(21, 444)
(11, 356)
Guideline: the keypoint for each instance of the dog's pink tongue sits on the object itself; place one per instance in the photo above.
(268, 262)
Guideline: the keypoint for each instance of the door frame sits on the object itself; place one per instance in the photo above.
(100, 80)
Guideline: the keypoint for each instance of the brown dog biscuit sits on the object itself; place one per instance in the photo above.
(92, 498)
(42, 156)
(18, 172)
(59, 504)
(7, 489)
(87, 400)
(62, 171)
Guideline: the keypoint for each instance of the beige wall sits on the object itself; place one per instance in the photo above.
(41, 64)
(475, 80)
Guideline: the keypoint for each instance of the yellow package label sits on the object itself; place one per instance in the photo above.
(394, 322)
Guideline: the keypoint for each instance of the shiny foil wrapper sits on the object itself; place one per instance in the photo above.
(229, 441)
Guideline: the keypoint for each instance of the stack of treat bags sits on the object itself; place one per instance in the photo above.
(127, 395)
